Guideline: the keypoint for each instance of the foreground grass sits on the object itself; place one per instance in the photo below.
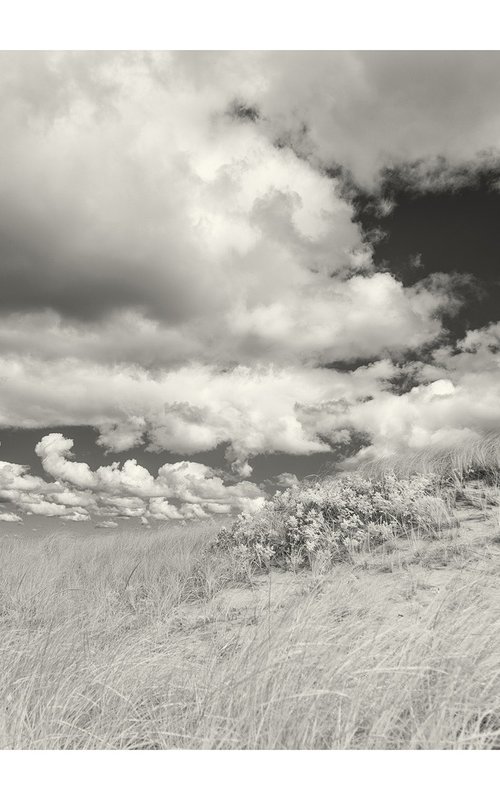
(153, 641)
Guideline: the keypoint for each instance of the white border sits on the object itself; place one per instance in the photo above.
(375, 775)
(256, 24)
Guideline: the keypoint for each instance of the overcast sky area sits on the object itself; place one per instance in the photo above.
(221, 272)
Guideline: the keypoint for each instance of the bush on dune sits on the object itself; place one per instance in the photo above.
(333, 517)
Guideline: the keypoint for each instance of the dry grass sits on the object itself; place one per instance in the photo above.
(476, 457)
(153, 641)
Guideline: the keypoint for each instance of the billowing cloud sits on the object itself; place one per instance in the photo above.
(323, 320)
(54, 450)
(131, 188)
(188, 410)
(185, 490)
(7, 516)
(367, 111)
(457, 398)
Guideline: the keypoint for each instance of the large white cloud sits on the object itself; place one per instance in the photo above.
(326, 320)
(188, 410)
(457, 398)
(125, 186)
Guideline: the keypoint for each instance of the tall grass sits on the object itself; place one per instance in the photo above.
(475, 458)
(156, 641)
(340, 671)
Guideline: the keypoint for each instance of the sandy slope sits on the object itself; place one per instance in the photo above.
(406, 581)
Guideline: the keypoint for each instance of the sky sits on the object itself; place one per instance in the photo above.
(221, 272)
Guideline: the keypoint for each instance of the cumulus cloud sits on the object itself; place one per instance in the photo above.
(368, 111)
(457, 397)
(185, 490)
(189, 410)
(7, 516)
(53, 451)
(320, 321)
(131, 188)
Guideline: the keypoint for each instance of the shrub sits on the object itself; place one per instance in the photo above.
(332, 518)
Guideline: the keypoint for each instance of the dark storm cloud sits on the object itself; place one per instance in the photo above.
(40, 270)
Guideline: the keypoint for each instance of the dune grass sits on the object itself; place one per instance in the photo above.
(474, 458)
(158, 640)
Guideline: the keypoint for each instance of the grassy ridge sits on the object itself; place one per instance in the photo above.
(474, 458)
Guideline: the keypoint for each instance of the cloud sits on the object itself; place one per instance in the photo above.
(53, 451)
(368, 111)
(457, 398)
(320, 321)
(7, 516)
(280, 482)
(185, 490)
(126, 186)
(192, 409)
